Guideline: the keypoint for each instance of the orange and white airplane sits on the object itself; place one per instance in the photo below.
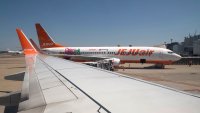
(118, 55)
(14, 52)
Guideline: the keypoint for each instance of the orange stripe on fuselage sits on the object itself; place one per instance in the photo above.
(148, 61)
(131, 61)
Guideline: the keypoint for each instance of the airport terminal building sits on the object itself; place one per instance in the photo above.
(189, 47)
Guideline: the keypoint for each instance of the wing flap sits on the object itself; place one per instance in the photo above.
(34, 110)
(49, 83)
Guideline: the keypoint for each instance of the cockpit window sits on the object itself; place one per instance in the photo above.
(170, 52)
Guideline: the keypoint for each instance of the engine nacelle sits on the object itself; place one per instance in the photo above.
(115, 61)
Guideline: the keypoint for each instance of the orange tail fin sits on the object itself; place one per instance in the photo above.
(44, 39)
(25, 43)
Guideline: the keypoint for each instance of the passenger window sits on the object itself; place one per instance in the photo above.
(170, 52)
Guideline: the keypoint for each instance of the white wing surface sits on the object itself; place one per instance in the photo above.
(54, 85)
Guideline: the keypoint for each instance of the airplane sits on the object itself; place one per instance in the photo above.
(14, 52)
(56, 85)
(118, 55)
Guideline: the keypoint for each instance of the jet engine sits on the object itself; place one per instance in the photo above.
(114, 61)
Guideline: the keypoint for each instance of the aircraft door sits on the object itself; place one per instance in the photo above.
(161, 54)
(104, 51)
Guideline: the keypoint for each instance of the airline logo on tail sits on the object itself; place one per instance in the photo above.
(44, 38)
(47, 44)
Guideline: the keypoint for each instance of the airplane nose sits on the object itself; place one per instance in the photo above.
(177, 57)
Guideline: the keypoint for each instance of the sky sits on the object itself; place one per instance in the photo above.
(100, 22)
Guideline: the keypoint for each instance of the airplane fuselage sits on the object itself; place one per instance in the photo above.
(125, 54)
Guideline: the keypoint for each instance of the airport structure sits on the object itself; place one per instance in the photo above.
(189, 47)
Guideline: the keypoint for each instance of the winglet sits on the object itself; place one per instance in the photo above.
(44, 39)
(25, 43)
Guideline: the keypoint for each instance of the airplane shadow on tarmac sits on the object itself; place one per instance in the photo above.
(5, 91)
(148, 67)
(11, 99)
(15, 77)
(17, 67)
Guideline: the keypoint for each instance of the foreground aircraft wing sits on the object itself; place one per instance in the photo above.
(54, 85)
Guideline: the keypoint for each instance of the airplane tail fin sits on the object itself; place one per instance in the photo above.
(35, 46)
(27, 47)
(8, 49)
(44, 39)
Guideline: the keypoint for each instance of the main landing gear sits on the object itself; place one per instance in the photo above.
(160, 66)
(106, 64)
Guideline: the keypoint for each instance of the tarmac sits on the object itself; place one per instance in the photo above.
(12, 68)
(180, 77)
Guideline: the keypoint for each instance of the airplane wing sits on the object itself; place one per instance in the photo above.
(55, 85)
